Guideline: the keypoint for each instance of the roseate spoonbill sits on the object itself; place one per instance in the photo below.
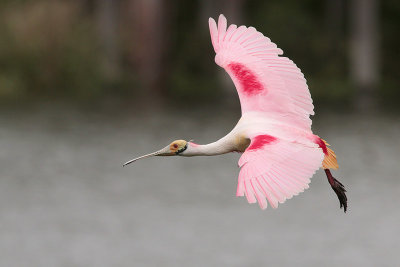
(280, 152)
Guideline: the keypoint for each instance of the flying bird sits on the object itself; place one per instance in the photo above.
(280, 153)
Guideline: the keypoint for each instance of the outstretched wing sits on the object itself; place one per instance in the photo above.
(275, 170)
(265, 81)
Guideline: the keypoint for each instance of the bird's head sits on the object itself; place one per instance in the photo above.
(173, 149)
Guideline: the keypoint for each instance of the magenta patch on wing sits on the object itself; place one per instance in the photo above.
(322, 145)
(260, 141)
(248, 81)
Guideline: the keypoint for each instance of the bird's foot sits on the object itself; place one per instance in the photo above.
(339, 189)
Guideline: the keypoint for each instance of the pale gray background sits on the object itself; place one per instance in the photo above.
(65, 200)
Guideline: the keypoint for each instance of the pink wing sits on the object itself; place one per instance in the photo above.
(276, 170)
(265, 81)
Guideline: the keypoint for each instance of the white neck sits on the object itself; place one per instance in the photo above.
(219, 147)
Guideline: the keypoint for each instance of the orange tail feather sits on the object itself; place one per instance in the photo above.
(330, 161)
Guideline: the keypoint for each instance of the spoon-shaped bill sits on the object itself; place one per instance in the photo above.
(163, 152)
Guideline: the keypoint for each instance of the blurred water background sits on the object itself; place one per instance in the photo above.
(87, 85)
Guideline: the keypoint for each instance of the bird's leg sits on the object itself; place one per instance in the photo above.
(339, 189)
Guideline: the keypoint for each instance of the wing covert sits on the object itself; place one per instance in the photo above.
(265, 81)
(275, 170)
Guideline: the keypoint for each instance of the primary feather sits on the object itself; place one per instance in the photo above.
(265, 81)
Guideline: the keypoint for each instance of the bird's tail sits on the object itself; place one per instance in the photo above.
(328, 163)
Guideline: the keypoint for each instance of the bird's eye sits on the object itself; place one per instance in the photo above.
(175, 145)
